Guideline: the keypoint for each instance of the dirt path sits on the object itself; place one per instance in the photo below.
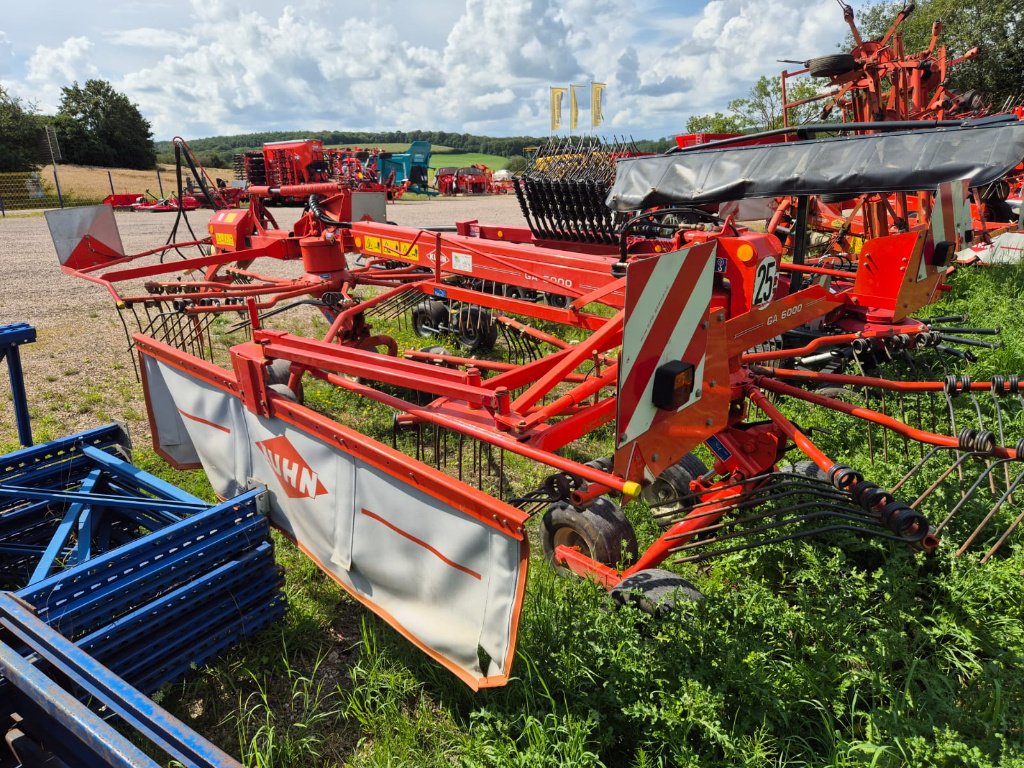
(79, 373)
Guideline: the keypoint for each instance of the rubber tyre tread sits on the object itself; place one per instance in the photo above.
(655, 591)
(829, 66)
(428, 314)
(608, 534)
(476, 329)
(678, 476)
(808, 469)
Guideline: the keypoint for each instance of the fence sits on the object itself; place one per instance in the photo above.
(75, 185)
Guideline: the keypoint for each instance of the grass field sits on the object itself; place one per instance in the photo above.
(89, 183)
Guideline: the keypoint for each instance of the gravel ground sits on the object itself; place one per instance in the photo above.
(79, 373)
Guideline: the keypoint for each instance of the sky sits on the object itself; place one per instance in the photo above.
(213, 67)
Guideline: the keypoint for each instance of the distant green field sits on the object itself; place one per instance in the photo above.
(400, 147)
(440, 159)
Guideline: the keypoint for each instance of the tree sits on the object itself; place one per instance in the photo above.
(20, 133)
(992, 25)
(96, 125)
(716, 123)
(761, 109)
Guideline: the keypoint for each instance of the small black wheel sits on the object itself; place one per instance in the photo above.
(557, 300)
(604, 463)
(655, 591)
(475, 329)
(286, 392)
(600, 531)
(842, 394)
(673, 485)
(429, 317)
(829, 66)
(520, 294)
(836, 197)
(420, 397)
(278, 373)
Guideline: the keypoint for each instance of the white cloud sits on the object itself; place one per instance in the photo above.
(49, 69)
(480, 66)
(152, 37)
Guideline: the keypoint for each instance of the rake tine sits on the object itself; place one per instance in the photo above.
(1013, 526)
(991, 513)
(917, 467)
(987, 472)
(958, 466)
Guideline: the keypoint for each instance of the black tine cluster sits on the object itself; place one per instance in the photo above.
(562, 192)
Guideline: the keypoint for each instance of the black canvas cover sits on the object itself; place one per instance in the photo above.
(907, 161)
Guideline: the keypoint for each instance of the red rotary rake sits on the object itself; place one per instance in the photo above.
(641, 353)
(880, 82)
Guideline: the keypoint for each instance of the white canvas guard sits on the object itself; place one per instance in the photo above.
(447, 580)
(195, 421)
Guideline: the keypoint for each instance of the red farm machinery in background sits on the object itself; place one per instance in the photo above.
(476, 179)
(307, 161)
(604, 350)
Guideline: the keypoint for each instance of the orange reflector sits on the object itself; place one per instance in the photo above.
(673, 385)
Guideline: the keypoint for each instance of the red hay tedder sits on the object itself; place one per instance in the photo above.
(637, 331)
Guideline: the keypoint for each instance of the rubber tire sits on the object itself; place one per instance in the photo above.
(278, 373)
(428, 315)
(655, 591)
(557, 300)
(475, 329)
(842, 394)
(603, 532)
(520, 294)
(420, 397)
(674, 482)
(836, 197)
(286, 392)
(829, 66)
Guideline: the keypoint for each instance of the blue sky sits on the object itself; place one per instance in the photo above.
(209, 67)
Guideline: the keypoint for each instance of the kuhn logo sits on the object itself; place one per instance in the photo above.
(296, 477)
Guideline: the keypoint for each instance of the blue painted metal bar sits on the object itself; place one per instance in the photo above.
(152, 721)
(107, 500)
(141, 478)
(64, 531)
(64, 713)
(183, 550)
(11, 336)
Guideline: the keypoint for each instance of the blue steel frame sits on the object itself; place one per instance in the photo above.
(11, 337)
(68, 728)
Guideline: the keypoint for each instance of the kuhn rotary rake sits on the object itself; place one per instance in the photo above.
(656, 337)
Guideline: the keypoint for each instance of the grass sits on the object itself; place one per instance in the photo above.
(464, 160)
(92, 183)
(830, 652)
